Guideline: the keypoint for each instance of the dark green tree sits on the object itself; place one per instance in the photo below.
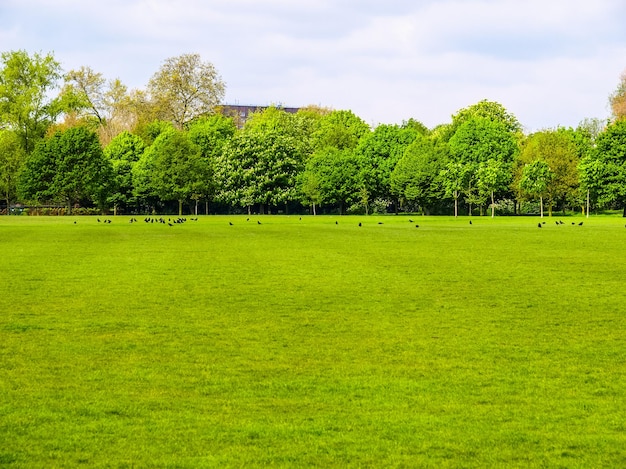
(70, 166)
(11, 159)
(124, 151)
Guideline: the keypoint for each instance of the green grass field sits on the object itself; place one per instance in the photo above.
(306, 343)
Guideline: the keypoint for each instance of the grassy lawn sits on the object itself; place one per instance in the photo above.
(306, 343)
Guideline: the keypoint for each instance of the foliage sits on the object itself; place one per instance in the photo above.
(341, 130)
(415, 178)
(123, 152)
(26, 85)
(68, 166)
(618, 99)
(604, 170)
(172, 168)
(258, 168)
(185, 88)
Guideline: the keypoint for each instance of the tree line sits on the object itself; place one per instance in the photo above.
(78, 140)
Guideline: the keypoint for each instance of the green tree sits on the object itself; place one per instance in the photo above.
(535, 180)
(380, 151)
(259, 168)
(337, 176)
(11, 160)
(123, 151)
(185, 88)
(605, 168)
(210, 134)
(27, 104)
(173, 168)
(559, 149)
(340, 130)
(476, 142)
(68, 166)
(415, 178)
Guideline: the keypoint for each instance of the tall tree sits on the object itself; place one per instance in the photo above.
(11, 159)
(477, 141)
(605, 168)
(68, 166)
(415, 177)
(535, 180)
(123, 151)
(171, 168)
(27, 102)
(210, 134)
(185, 88)
(380, 151)
(259, 168)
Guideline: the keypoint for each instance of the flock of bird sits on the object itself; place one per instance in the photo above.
(181, 220)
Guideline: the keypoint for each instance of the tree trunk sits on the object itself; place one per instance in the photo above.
(206, 207)
(314, 213)
(541, 205)
(456, 204)
(493, 206)
(180, 207)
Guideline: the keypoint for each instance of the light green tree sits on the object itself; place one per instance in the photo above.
(28, 104)
(535, 180)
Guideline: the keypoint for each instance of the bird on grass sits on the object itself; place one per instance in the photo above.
(230, 223)
(360, 224)
(470, 222)
(258, 222)
(538, 225)
(417, 226)
(336, 222)
(98, 220)
(410, 221)
(580, 224)
(380, 222)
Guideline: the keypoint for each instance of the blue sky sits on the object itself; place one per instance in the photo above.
(549, 62)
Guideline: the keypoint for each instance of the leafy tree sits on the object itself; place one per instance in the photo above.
(336, 177)
(535, 180)
(453, 177)
(107, 103)
(185, 88)
(380, 151)
(557, 148)
(475, 143)
(68, 166)
(11, 159)
(340, 130)
(26, 86)
(124, 151)
(259, 168)
(210, 134)
(415, 177)
(605, 168)
(172, 168)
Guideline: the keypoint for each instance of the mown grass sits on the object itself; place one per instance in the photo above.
(306, 343)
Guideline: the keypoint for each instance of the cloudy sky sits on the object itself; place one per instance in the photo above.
(549, 62)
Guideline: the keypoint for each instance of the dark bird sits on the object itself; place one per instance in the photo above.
(557, 223)
(74, 222)
(380, 222)
(98, 220)
(573, 223)
(247, 219)
(580, 224)
(258, 222)
(538, 225)
(300, 218)
(417, 226)
(359, 223)
(170, 224)
(543, 222)
(410, 221)
(470, 222)
(230, 223)
(336, 222)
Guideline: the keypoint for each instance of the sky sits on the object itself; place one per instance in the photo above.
(549, 62)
